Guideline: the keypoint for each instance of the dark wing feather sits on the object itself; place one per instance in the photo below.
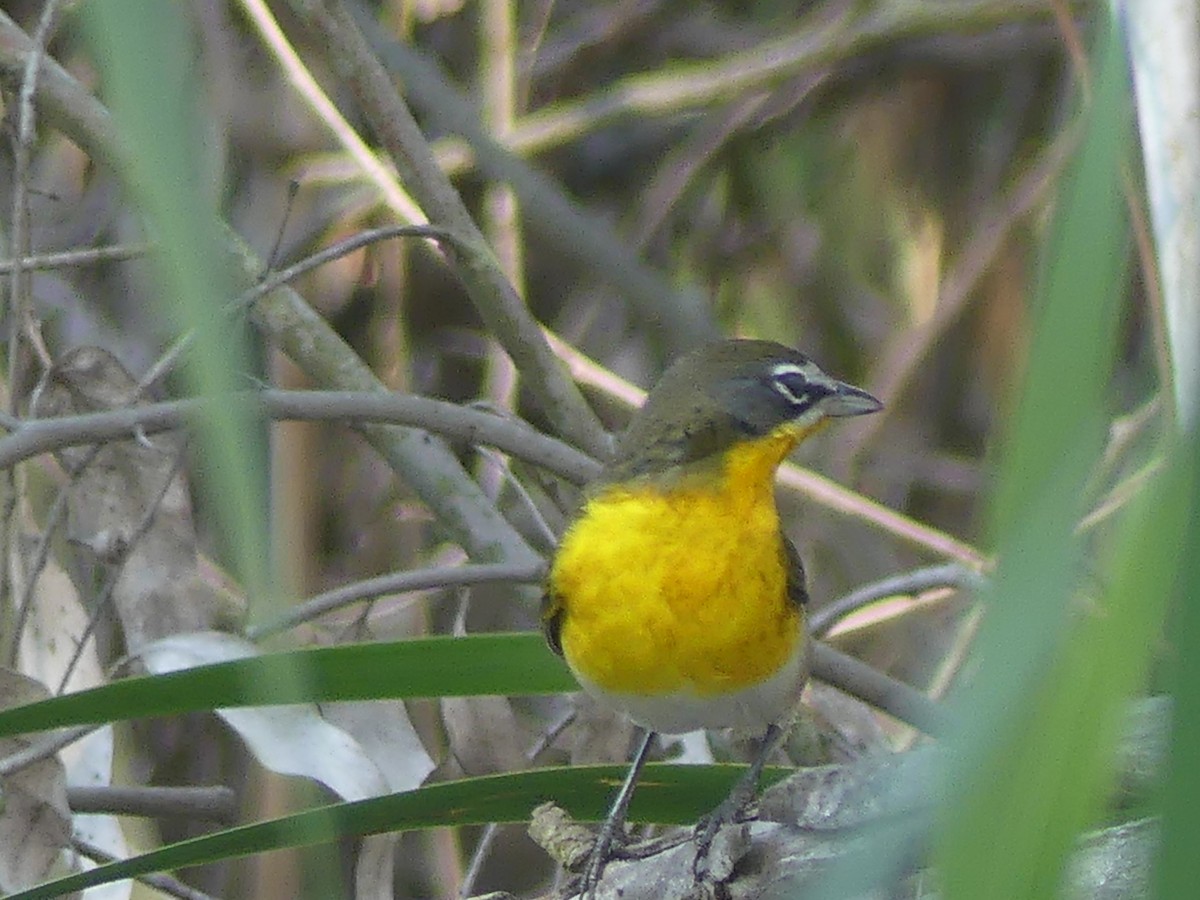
(796, 588)
(551, 615)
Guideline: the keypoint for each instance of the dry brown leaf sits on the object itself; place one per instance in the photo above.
(35, 827)
(386, 734)
(53, 632)
(485, 736)
(159, 590)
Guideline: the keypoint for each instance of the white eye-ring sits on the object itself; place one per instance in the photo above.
(779, 372)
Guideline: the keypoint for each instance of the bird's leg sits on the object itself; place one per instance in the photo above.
(732, 807)
(614, 822)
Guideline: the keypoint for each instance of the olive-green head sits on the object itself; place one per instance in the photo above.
(724, 393)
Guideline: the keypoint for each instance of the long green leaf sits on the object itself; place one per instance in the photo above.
(1018, 786)
(149, 71)
(504, 664)
(667, 794)
(1179, 864)
(1056, 663)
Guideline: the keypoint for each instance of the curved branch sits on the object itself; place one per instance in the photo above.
(35, 436)
(397, 583)
(908, 583)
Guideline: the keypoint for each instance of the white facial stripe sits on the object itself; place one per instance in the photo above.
(781, 369)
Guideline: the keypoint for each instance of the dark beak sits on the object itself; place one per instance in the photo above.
(847, 400)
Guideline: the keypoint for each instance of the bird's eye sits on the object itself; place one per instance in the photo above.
(794, 386)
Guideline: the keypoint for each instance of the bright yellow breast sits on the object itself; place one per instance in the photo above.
(681, 588)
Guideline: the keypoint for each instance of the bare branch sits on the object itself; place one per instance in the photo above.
(89, 256)
(897, 699)
(216, 803)
(397, 583)
(949, 575)
(43, 747)
(451, 420)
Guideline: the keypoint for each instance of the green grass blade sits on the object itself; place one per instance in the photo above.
(667, 794)
(1039, 722)
(147, 65)
(1179, 864)
(1013, 795)
(504, 664)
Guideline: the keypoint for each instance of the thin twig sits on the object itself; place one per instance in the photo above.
(397, 583)
(57, 510)
(43, 747)
(365, 159)
(165, 363)
(165, 883)
(274, 280)
(21, 317)
(343, 248)
(1120, 494)
(537, 520)
(89, 256)
(834, 496)
(501, 210)
(100, 605)
(487, 838)
(273, 256)
(677, 170)
(914, 582)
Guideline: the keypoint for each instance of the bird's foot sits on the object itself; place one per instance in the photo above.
(610, 841)
(733, 809)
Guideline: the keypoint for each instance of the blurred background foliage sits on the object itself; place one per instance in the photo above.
(869, 182)
(823, 210)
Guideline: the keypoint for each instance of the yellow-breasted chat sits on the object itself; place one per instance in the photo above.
(674, 595)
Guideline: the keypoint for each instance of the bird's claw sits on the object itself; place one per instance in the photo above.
(731, 811)
(608, 846)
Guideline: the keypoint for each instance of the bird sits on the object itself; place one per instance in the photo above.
(674, 595)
